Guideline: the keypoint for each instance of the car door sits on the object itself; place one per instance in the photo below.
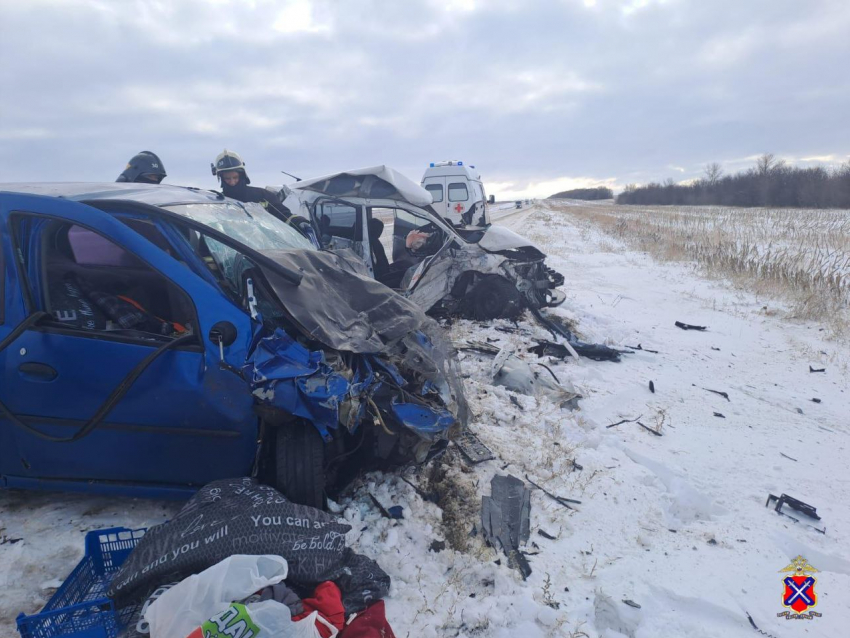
(458, 199)
(437, 187)
(185, 420)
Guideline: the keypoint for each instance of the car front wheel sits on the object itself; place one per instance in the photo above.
(299, 467)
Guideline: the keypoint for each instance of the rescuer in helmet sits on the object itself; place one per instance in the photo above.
(144, 168)
(230, 170)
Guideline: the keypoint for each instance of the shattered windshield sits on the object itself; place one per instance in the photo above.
(250, 224)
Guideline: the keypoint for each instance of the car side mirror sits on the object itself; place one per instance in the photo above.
(223, 334)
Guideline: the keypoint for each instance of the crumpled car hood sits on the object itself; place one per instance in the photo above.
(337, 306)
(498, 238)
(399, 362)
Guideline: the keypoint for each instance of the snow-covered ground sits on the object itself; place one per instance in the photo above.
(676, 524)
(497, 208)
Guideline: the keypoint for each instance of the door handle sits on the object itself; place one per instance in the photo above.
(37, 371)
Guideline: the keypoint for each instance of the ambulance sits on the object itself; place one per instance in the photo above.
(458, 193)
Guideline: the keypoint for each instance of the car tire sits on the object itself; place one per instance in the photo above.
(491, 298)
(300, 464)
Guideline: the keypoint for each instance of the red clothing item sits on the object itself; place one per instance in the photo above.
(327, 600)
(371, 623)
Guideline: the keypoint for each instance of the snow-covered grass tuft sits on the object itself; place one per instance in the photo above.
(803, 255)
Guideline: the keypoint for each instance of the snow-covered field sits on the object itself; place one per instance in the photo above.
(802, 255)
(675, 523)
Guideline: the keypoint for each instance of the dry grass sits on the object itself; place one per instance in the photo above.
(452, 482)
(801, 255)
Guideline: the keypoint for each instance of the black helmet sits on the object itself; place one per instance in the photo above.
(229, 161)
(145, 167)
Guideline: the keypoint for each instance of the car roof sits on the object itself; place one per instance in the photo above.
(454, 170)
(153, 194)
(387, 184)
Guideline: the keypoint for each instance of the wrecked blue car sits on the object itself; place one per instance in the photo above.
(156, 338)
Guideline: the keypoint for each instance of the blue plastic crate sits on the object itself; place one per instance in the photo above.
(80, 608)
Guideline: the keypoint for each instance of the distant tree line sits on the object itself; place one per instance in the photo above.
(600, 192)
(771, 182)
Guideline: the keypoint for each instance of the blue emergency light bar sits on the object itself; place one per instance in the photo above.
(447, 163)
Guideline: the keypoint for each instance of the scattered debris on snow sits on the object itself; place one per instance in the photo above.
(687, 326)
(505, 519)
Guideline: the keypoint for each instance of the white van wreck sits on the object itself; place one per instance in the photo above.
(385, 221)
(458, 193)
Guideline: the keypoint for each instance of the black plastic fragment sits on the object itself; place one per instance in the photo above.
(505, 519)
(794, 504)
(472, 447)
(595, 351)
(642, 349)
(687, 326)
(631, 603)
(11, 541)
(723, 394)
(652, 387)
(546, 534)
(479, 346)
(815, 400)
(720, 415)
(811, 369)
(559, 499)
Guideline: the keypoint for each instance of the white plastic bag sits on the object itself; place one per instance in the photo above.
(200, 597)
(266, 619)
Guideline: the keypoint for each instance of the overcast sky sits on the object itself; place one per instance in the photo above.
(540, 95)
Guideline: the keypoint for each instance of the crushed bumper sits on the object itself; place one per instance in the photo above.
(286, 375)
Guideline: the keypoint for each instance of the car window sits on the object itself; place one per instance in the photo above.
(88, 248)
(237, 273)
(411, 220)
(249, 224)
(414, 237)
(436, 191)
(148, 229)
(338, 219)
(458, 192)
(383, 231)
(89, 283)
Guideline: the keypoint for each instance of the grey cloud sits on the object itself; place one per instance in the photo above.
(531, 92)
